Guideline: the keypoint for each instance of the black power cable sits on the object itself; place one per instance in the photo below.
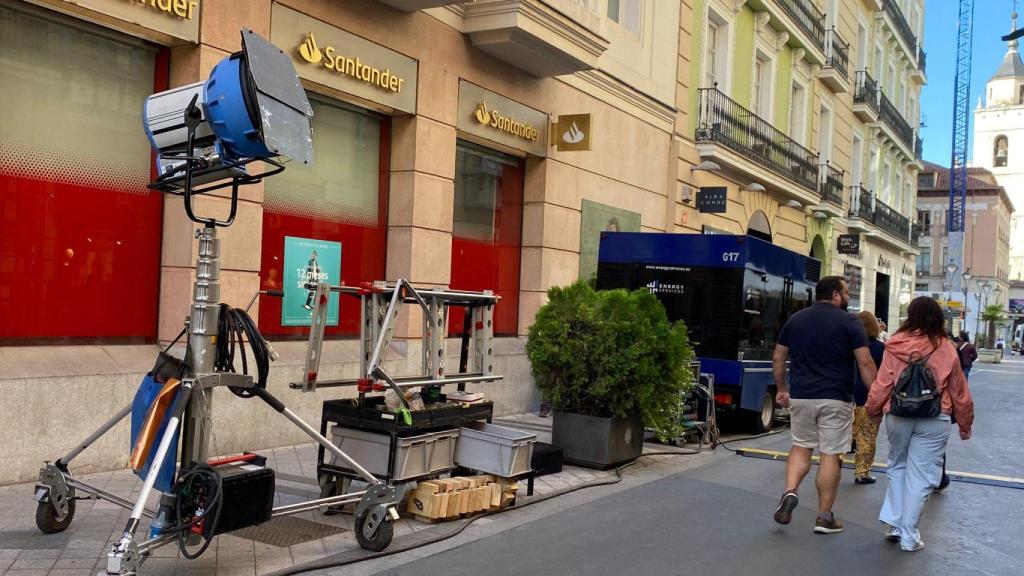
(211, 513)
(234, 328)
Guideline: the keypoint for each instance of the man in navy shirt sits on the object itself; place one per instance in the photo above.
(825, 345)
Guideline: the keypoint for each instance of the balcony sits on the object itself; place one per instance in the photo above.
(807, 18)
(891, 221)
(900, 129)
(918, 146)
(865, 97)
(545, 38)
(414, 5)
(915, 235)
(835, 73)
(801, 20)
(918, 74)
(902, 28)
(830, 188)
(736, 136)
(862, 208)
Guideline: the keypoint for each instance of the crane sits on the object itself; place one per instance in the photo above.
(958, 161)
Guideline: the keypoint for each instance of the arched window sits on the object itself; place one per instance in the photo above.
(1000, 151)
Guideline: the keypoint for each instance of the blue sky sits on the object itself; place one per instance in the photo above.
(991, 20)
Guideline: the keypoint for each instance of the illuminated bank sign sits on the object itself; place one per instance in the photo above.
(351, 67)
(174, 18)
(509, 124)
(332, 57)
(494, 117)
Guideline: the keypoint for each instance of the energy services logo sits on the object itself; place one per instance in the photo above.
(495, 120)
(351, 67)
(308, 50)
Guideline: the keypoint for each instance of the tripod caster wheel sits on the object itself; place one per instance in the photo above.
(47, 519)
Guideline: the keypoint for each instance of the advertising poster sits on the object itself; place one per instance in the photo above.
(597, 218)
(307, 260)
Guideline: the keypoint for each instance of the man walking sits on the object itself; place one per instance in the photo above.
(825, 344)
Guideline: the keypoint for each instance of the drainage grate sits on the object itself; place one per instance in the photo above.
(288, 531)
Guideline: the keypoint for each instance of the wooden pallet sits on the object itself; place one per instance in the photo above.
(450, 498)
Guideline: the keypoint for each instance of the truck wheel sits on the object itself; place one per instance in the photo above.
(761, 421)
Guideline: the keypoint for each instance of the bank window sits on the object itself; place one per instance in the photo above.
(487, 229)
(340, 199)
(626, 13)
(81, 233)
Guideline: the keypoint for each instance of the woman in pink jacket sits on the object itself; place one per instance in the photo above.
(917, 445)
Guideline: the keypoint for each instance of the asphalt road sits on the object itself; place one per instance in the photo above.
(716, 519)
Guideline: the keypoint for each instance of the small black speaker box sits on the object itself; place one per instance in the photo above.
(547, 459)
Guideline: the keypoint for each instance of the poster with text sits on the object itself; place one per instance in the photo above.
(307, 260)
(597, 218)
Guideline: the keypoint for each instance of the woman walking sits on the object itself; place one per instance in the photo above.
(916, 444)
(865, 430)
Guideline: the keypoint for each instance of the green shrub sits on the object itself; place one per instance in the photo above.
(611, 353)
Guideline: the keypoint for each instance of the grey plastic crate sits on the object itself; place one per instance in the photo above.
(494, 449)
(414, 456)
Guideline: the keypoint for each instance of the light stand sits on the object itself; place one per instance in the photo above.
(965, 287)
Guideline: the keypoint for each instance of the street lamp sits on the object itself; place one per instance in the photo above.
(965, 287)
(951, 270)
(984, 287)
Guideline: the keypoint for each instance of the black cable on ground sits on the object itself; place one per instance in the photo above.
(755, 436)
(327, 564)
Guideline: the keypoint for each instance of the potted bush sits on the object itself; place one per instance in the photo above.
(610, 363)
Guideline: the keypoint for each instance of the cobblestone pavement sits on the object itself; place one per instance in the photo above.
(82, 548)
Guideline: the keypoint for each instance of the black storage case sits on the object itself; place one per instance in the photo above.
(547, 459)
(248, 497)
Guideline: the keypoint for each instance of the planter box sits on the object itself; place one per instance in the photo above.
(597, 442)
(990, 355)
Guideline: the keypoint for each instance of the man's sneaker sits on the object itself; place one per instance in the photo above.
(869, 479)
(784, 513)
(917, 546)
(830, 526)
(892, 534)
(944, 483)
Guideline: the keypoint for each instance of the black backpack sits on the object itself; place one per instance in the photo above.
(915, 393)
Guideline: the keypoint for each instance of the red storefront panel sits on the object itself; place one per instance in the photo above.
(478, 264)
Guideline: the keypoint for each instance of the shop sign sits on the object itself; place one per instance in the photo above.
(497, 118)
(309, 261)
(712, 200)
(330, 56)
(849, 243)
(176, 18)
(884, 263)
(572, 133)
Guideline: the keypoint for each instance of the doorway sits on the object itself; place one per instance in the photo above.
(758, 227)
(882, 297)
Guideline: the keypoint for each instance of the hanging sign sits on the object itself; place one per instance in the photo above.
(307, 260)
(849, 243)
(572, 133)
(712, 200)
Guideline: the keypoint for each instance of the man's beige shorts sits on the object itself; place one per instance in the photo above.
(826, 425)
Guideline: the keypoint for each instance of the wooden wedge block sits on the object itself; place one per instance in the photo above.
(495, 495)
(431, 486)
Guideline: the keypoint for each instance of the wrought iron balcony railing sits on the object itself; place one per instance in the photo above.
(866, 90)
(723, 121)
(915, 235)
(830, 187)
(837, 52)
(921, 59)
(888, 219)
(807, 18)
(894, 120)
(899, 22)
(862, 204)
(918, 146)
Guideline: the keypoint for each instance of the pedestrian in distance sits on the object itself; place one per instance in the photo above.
(920, 388)
(824, 344)
(865, 430)
(968, 354)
